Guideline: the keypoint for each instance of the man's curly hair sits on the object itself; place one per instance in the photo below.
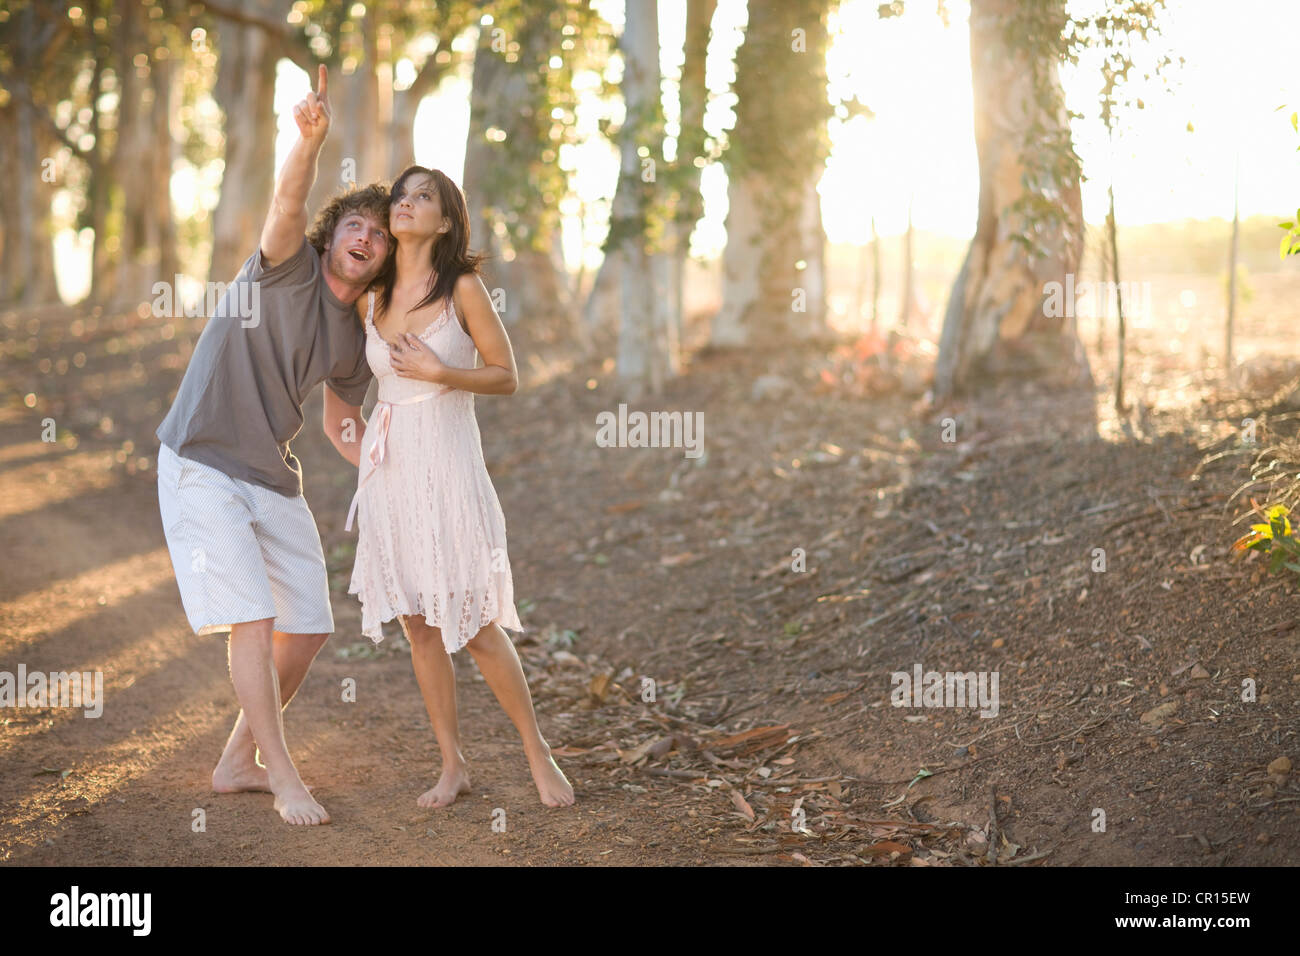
(371, 200)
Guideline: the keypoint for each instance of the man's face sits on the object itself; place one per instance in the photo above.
(359, 248)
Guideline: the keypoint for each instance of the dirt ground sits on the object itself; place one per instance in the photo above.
(639, 573)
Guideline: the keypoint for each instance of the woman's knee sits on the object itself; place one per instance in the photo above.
(421, 634)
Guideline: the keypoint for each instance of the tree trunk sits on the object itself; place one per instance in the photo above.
(1232, 266)
(907, 310)
(1120, 345)
(245, 91)
(102, 278)
(693, 96)
(509, 222)
(644, 361)
(996, 323)
(32, 244)
(773, 265)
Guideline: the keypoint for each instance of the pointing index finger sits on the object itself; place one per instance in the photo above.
(322, 82)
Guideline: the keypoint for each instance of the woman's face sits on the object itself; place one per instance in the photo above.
(416, 212)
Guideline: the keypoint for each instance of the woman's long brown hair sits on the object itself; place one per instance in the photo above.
(451, 256)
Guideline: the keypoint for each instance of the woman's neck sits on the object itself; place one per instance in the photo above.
(414, 261)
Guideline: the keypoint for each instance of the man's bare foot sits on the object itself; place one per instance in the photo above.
(552, 785)
(295, 805)
(233, 777)
(451, 784)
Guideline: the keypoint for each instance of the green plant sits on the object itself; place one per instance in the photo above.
(1274, 538)
(1291, 241)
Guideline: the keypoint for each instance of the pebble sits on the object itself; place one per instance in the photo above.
(1157, 714)
(769, 386)
(1281, 766)
(1200, 673)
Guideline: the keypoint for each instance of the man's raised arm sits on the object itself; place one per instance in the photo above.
(287, 221)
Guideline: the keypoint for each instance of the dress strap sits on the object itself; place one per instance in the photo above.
(370, 314)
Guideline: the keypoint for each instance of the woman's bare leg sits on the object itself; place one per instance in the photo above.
(499, 662)
(436, 675)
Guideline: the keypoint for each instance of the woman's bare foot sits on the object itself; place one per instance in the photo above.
(451, 784)
(232, 776)
(552, 785)
(295, 805)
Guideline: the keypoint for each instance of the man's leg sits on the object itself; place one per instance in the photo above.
(238, 769)
(257, 685)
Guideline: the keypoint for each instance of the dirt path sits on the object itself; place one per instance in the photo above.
(770, 738)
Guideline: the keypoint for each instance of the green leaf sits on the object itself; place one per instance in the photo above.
(1295, 122)
(1286, 225)
(920, 775)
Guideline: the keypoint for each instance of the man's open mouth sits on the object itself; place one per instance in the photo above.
(359, 255)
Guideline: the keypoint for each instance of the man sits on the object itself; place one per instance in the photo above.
(243, 542)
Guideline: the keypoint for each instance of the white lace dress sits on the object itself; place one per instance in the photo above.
(432, 535)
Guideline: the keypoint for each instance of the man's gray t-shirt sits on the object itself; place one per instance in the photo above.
(241, 399)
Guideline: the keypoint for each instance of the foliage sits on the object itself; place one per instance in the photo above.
(1291, 241)
(783, 108)
(1274, 538)
(1123, 35)
(545, 45)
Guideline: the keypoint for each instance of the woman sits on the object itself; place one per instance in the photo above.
(432, 545)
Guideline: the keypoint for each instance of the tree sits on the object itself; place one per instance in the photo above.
(1005, 312)
(692, 151)
(519, 103)
(251, 38)
(1029, 230)
(646, 353)
(773, 265)
(34, 35)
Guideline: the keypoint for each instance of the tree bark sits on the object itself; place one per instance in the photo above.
(773, 265)
(996, 324)
(245, 91)
(509, 222)
(644, 361)
(143, 156)
(693, 96)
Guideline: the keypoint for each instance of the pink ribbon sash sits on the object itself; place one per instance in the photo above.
(380, 420)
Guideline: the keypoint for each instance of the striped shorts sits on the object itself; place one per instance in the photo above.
(241, 552)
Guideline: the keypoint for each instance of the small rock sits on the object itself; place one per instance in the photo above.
(1157, 714)
(1200, 673)
(961, 752)
(1262, 839)
(999, 642)
(768, 386)
(1282, 765)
